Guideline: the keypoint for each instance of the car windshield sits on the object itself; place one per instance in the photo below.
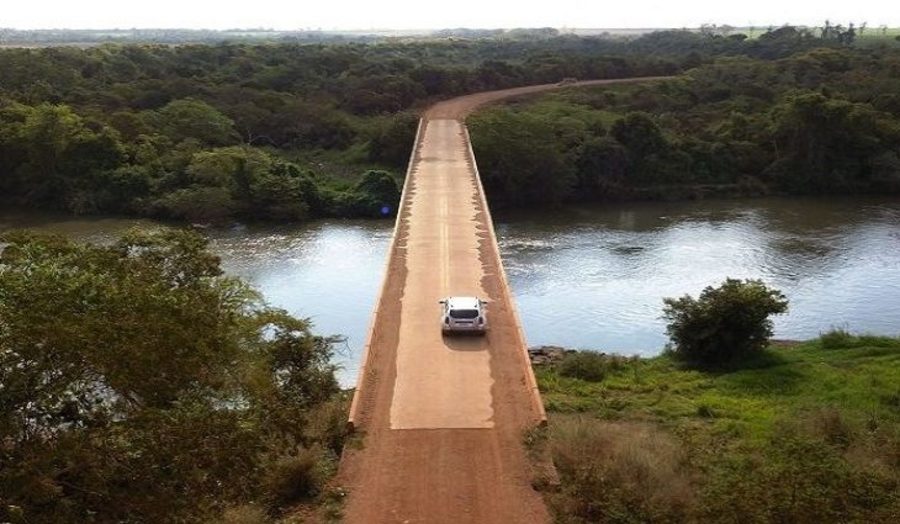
(464, 313)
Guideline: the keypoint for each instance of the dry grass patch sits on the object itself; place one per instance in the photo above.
(618, 472)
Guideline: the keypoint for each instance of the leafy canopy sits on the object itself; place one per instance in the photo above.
(725, 324)
(137, 382)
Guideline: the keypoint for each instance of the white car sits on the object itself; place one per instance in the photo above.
(463, 315)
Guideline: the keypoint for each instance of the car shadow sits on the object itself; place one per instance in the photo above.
(466, 342)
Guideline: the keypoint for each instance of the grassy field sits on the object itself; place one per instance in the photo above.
(805, 433)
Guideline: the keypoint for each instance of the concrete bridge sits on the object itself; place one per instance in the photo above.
(442, 419)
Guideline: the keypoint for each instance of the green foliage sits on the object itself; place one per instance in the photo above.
(138, 383)
(589, 365)
(375, 195)
(520, 159)
(829, 144)
(395, 140)
(602, 166)
(842, 339)
(738, 125)
(195, 119)
(725, 325)
(116, 128)
(814, 469)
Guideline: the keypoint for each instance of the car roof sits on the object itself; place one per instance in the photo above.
(463, 302)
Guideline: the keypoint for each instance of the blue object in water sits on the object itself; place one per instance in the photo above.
(385, 210)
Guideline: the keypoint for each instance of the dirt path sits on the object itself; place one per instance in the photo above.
(443, 418)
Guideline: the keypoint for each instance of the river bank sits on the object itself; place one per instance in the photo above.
(808, 432)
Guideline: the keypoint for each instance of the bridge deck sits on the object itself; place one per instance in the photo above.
(444, 416)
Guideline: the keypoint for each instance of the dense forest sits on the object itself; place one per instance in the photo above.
(820, 120)
(212, 133)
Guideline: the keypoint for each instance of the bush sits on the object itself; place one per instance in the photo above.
(837, 338)
(297, 477)
(726, 324)
(590, 365)
(327, 423)
(377, 194)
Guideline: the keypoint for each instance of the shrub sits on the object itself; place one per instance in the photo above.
(590, 365)
(837, 338)
(327, 423)
(296, 477)
(375, 195)
(726, 324)
(199, 204)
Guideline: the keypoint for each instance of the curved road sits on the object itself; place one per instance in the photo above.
(442, 419)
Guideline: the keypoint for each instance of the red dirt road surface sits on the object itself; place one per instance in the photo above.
(442, 418)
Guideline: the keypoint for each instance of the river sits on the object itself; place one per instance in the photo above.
(587, 276)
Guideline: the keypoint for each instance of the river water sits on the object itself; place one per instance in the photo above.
(592, 276)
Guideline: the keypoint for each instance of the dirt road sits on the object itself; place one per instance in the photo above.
(442, 418)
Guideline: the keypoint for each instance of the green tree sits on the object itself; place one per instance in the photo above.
(190, 118)
(825, 144)
(646, 145)
(725, 324)
(393, 143)
(137, 383)
(284, 192)
(602, 165)
(62, 153)
(519, 158)
(378, 194)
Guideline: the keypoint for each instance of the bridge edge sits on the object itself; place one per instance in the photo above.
(353, 415)
(534, 391)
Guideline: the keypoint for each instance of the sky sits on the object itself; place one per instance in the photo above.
(424, 14)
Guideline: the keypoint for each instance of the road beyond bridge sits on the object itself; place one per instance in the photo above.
(442, 419)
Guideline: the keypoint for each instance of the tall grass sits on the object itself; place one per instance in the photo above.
(619, 472)
(839, 338)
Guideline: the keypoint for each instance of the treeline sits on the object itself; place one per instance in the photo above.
(291, 131)
(274, 132)
(9, 36)
(826, 120)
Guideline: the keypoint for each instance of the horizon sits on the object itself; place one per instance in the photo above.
(407, 15)
(249, 29)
